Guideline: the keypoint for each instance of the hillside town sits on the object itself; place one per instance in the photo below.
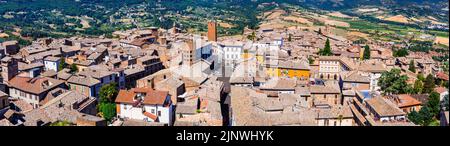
(269, 77)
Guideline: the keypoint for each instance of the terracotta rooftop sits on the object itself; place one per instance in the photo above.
(51, 58)
(404, 100)
(150, 96)
(383, 107)
(442, 76)
(356, 76)
(319, 89)
(80, 80)
(440, 90)
(151, 116)
(335, 112)
(34, 85)
(98, 74)
(372, 66)
(25, 66)
(279, 83)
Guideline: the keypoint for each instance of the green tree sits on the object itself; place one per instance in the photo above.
(73, 68)
(428, 85)
(426, 116)
(401, 53)
(428, 113)
(106, 106)
(409, 89)
(326, 51)
(61, 123)
(107, 110)
(108, 93)
(252, 36)
(434, 103)
(412, 66)
(366, 52)
(311, 60)
(418, 87)
(62, 64)
(393, 83)
(415, 117)
(421, 77)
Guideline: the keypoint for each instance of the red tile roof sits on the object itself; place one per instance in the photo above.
(151, 116)
(407, 100)
(440, 90)
(152, 97)
(442, 76)
(36, 85)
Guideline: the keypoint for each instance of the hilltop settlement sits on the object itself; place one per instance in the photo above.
(266, 77)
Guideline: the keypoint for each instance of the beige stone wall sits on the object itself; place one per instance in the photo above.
(332, 99)
(335, 122)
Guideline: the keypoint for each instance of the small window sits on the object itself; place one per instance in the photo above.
(159, 113)
(153, 111)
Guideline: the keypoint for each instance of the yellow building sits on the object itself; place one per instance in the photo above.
(260, 58)
(246, 56)
(289, 69)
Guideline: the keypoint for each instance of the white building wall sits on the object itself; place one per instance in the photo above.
(128, 111)
(50, 65)
(232, 53)
(443, 95)
(329, 67)
(261, 45)
(29, 98)
(165, 114)
(374, 77)
(129, 46)
(274, 48)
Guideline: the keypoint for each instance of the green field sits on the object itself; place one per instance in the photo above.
(386, 31)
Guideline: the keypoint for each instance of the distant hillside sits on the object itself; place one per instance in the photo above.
(410, 8)
(61, 18)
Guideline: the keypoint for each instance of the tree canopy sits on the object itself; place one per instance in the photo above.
(73, 68)
(421, 77)
(326, 51)
(393, 83)
(429, 84)
(428, 114)
(412, 66)
(434, 103)
(108, 110)
(400, 53)
(252, 36)
(366, 52)
(106, 106)
(418, 86)
(108, 93)
(310, 60)
(62, 64)
(61, 123)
